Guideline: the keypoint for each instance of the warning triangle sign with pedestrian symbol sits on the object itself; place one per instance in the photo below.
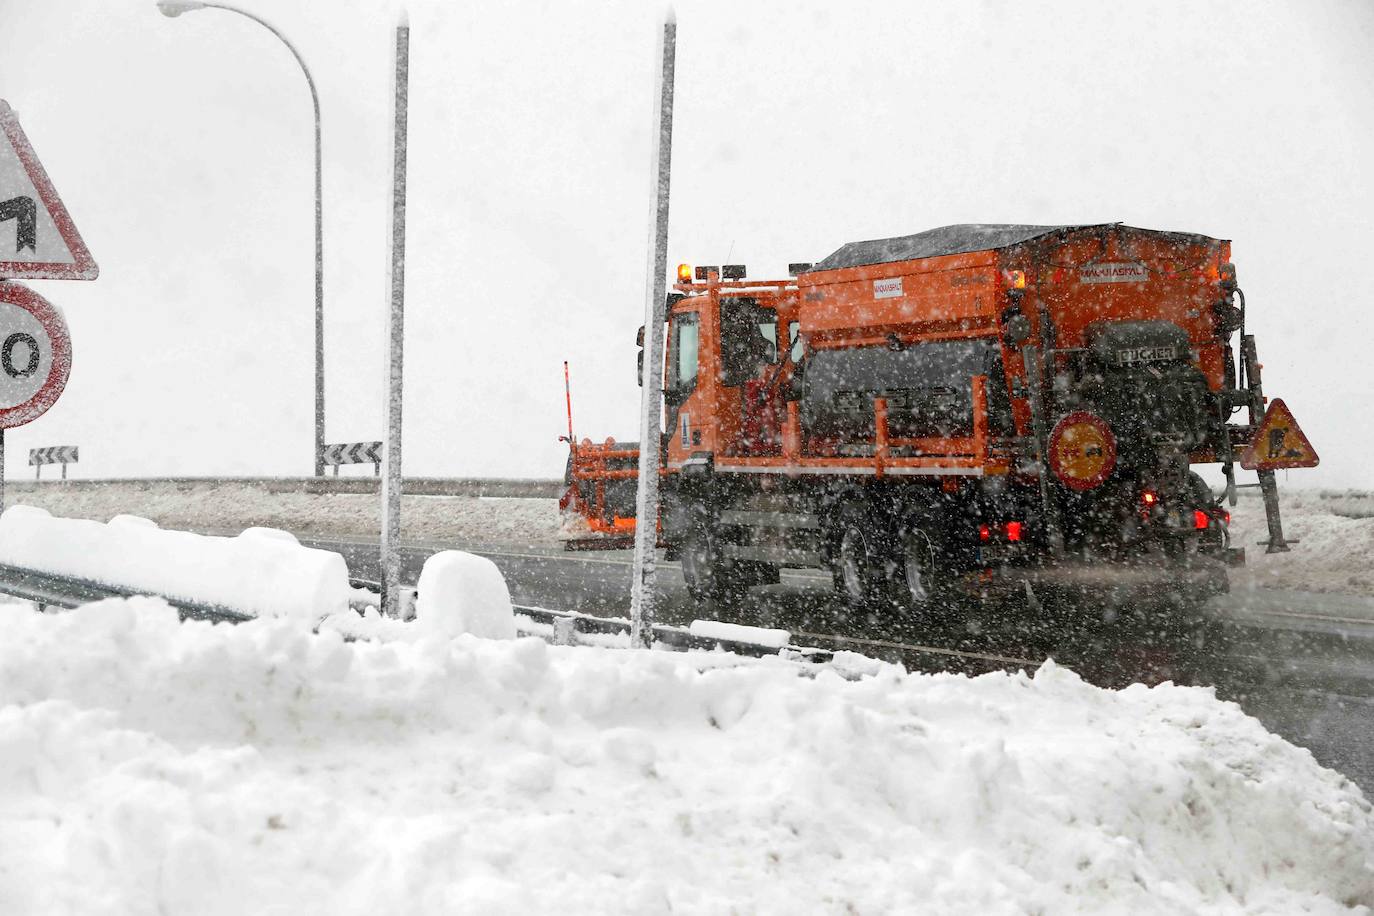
(1278, 443)
(38, 239)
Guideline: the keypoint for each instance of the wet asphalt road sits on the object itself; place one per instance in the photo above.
(1302, 664)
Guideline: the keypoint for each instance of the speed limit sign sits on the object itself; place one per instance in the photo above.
(35, 355)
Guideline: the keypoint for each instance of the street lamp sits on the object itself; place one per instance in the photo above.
(174, 8)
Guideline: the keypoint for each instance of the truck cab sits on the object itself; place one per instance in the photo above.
(732, 349)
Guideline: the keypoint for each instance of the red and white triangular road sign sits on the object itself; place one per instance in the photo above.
(38, 239)
(1278, 442)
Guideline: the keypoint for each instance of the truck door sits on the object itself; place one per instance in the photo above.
(680, 383)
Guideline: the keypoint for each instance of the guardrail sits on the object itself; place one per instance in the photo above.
(518, 487)
(568, 627)
(48, 590)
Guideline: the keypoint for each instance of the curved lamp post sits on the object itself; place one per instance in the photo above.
(174, 8)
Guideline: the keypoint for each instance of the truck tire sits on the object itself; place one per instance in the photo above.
(709, 576)
(707, 573)
(924, 577)
(856, 564)
(702, 564)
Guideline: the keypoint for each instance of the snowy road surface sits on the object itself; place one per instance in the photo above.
(1335, 534)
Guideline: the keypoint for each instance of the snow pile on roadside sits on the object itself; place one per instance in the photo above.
(147, 766)
(463, 593)
(261, 571)
(1332, 554)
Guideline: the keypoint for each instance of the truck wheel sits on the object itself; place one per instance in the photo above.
(701, 563)
(856, 565)
(707, 574)
(924, 581)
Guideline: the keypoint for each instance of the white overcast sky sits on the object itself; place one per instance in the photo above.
(182, 148)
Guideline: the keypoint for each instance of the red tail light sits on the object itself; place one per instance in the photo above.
(1201, 520)
(984, 533)
(1149, 497)
(1227, 516)
(1013, 531)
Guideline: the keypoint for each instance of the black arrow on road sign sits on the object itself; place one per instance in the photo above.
(23, 210)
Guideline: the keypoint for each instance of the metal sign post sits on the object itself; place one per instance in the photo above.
(391, 458)
(642, 595)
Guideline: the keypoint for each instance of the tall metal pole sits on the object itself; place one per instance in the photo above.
(643, 599)
(391, 480)
(173, 8)
(319, 287)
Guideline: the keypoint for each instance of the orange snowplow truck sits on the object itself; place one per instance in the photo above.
(976, 409)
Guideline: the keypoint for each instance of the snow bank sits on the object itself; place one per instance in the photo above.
(264, 573)
(147, 766)
(1333, 550)
(463, 593)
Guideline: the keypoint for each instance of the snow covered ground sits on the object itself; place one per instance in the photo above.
(1336, 532)
(234, 506)
(148, 766)
(1335, 549)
